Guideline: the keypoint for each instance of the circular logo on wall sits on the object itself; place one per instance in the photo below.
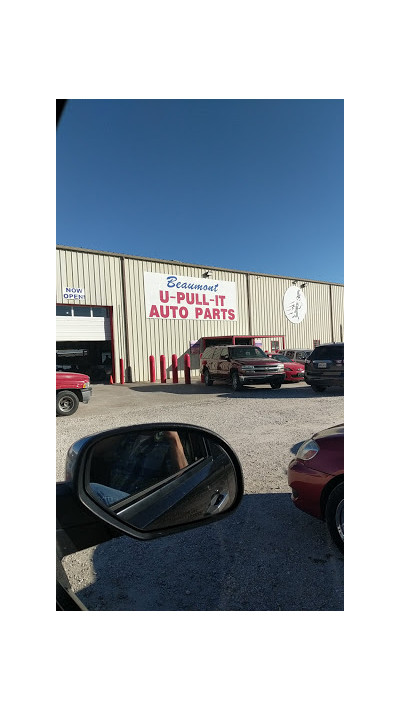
(294, 304)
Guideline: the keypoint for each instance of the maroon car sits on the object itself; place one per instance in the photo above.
(316, 477)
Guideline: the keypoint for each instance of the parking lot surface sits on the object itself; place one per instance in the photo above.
(266, 556)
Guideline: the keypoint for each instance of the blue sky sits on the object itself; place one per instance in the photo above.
(253, 185)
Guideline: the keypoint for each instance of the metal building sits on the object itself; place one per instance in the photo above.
(114, 311)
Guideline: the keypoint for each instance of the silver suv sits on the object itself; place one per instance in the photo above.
(298, 356)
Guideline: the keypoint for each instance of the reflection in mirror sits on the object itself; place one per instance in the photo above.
(154, 479)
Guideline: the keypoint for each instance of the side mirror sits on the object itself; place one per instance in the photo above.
(151, 480)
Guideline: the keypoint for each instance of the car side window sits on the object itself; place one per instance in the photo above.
(224, 353)
(289, 354)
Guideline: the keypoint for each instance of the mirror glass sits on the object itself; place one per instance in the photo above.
(153, 479)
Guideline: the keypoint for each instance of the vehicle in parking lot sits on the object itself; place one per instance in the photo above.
(294, 372)
(144, 481)
(298, 356)
(241, 365)
(325, 367)
(316, 477)
(71, 389)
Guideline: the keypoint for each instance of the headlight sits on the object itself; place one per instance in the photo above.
(308, 450)
(86, 384)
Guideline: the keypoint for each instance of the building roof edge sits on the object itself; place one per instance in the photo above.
(197, 266)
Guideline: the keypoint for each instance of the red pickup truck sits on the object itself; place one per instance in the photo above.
(71, 389)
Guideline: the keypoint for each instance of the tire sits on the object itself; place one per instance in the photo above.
(275, 385)
(236, 384)
(334, 515)
(66, 403)
(207, 378)
(318, 388)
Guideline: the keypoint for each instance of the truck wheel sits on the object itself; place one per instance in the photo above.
(66, 403)
(207, 377)
(236, 384)
(334, 515)
(275, 385)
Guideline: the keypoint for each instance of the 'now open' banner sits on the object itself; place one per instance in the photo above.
(169, 296)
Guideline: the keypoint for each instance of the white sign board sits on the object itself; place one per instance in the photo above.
(294, 304)
(169, 296)
(73, 292)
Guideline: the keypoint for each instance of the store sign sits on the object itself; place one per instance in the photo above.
(169, 296)
(294, 304)
(73, 292)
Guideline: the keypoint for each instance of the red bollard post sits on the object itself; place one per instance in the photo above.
(163, 369)
(121, 371)
(187, 369)
(152, 369)
(174, 368)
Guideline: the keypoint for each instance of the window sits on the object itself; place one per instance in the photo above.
(274, 346)
(289, 354)
(63, 310)
(100, 311)
(224, 353)
(246, 352)
(82, 311)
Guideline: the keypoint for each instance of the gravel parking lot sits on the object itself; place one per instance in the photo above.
(266, 556)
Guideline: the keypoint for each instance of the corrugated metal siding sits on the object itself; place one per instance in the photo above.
(268, 316)
(100, 275)
(338, 312)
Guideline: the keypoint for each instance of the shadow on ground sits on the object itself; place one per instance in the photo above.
(266, 556)
(284, 393)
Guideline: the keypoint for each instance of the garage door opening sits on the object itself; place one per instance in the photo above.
(93, 358)
(83, 341)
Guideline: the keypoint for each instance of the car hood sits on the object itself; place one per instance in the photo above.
(336, 431)
(69, 375)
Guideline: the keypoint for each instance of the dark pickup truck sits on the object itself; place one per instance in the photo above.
(71, 389)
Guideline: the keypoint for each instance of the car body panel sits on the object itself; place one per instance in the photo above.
(68, 383)
(310, 480)
(71, 381)
(294, 372)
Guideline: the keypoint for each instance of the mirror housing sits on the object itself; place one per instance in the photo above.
(151, 480)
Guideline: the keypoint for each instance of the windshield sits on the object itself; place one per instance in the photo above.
(281, 358)
(247, 352)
